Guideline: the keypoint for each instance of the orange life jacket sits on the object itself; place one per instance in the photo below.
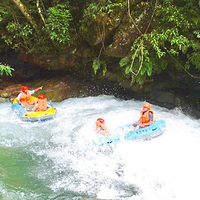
(144, 117)
(98, 126)
(25, 98)
(41, 105)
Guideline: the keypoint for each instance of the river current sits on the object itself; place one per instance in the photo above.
(56, 159)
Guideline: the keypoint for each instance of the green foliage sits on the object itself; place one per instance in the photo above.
(101, 12)
(141, 64)
(194, 56)
(170, 36)
(171, 15)
(197, 33)
(5, 69)
(19, 34)
(124, 61)
(20, 30)
(97, 64)
(96, 9)
(57, 23)
(2, 12)
(100, 16)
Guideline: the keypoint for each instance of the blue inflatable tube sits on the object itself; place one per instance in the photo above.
(154, 130)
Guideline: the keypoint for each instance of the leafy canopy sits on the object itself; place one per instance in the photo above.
(168, 37)
(5, 69)
(158, 33)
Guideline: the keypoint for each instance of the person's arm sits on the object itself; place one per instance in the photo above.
(18, 97)
(39, 88)
(31, 92)
(35, 90)
(104, 130)
(34, 108)
(135, 124)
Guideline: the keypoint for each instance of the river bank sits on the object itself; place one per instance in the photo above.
(167, 89)
(62, 84)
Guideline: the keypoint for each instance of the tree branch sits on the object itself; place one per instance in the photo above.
(40, 11)
(197, 77)
(24, 11)
(129, 14)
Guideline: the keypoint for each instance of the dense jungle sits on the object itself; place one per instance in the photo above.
(150, 50)
(97, 61)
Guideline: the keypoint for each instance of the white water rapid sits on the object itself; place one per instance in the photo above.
(57, 160)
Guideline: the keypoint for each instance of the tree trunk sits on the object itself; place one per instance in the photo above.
(24, 11)
(40, 11)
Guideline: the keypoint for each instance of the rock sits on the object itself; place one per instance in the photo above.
(55, 89)
(10, 91)
(5, 95)
(3, 100)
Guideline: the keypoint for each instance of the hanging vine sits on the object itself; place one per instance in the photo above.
(139, 63)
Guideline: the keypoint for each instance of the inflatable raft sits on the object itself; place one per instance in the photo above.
(154, 130)
(106, 140)
(32, 116)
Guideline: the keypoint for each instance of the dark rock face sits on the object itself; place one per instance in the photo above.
(165, 90)
(55, 89)
(61, 87)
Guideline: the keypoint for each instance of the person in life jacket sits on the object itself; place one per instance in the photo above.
(41, 104)
(101, 127)
(146, 116)
(24, 97)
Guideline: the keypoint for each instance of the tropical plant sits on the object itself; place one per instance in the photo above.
(5, 69)
(159, 33)
(171, 33)
(99, 15)
(57, 23)
(35, 27)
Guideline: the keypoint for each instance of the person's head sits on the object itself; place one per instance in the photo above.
(101, 121)
(41, 96)
(24, 88)
(146, 106)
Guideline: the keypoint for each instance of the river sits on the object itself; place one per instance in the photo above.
(56, 159)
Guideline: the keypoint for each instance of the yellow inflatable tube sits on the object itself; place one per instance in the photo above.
(27, 115)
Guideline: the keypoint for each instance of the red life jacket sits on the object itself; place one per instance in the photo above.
(144, 117)
(25, 98)
(41, 105)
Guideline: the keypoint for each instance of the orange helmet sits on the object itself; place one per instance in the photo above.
(101, 120)
(24, 88)
(41, 96)
(147, 105)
